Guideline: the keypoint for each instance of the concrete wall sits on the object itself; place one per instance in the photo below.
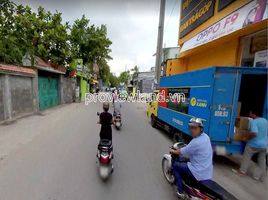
(17, 96)
(21, 94)
(66, 90)
(1, 99)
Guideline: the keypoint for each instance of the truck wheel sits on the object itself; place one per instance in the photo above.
(153, 121)
(178, 137)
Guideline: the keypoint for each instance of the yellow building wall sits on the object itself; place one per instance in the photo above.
(224, 51)
(175, 66)
(224, 54)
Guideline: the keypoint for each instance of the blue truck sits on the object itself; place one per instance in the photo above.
(214, 94)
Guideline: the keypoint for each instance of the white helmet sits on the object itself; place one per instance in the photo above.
(196, 122)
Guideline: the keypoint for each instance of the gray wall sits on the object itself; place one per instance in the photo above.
(1, 99)
(145, 86)
(17, 96)
(21, 94)
(67, 90)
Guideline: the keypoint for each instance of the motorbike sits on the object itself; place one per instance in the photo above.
(117, 121)
(197, 190)
(105, 156)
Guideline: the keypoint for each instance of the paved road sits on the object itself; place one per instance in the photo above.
(52, 157)
(57, 160)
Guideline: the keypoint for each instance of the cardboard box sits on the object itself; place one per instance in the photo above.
(242, 135)
(236, 134)
(237, 122)
(244, 123)
(238, 109)
(239, 135)
(242, 126)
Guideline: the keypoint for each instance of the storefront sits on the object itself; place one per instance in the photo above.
(94, 85)
(82, 84)
(222, 33)
(82, 78)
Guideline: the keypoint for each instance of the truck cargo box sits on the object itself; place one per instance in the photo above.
(218, 95)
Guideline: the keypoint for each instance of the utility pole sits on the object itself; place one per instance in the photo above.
(158, 59)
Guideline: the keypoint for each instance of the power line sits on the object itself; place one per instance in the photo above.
(171, 12)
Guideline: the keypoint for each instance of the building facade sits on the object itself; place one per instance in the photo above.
(221, 33)
(143, 82)
(50, 82)
(82, 79)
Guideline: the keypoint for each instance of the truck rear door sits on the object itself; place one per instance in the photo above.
(222, 106)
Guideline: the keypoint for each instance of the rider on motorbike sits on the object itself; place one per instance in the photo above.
(117, 108)
(199, 151)
(106, 120)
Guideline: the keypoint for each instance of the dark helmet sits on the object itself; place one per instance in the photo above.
(196, 122)
(106, 106)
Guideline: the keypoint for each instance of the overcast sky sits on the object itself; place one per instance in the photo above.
(132, 26)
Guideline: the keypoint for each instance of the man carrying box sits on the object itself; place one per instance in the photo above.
(257, 143)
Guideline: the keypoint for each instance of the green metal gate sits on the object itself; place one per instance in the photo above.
(48, 92)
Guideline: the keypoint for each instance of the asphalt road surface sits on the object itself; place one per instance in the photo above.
(53, 157)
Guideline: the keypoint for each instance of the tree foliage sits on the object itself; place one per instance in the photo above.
(135, 70)
(91, 44)
(10, 49)
(40, 34)
(44, 34)
(114, 81)
(123, 77)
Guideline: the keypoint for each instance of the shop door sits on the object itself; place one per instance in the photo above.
(48, 92)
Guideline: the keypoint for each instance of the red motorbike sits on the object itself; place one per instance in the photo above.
(105, 156)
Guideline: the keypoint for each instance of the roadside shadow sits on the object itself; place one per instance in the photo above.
(228, 161)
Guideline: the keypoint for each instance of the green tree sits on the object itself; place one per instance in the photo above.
(123, 77)
(40, 34)
(10, 48)
(135, 70)
(104, 71)
(44, 34)
(91, 44)
(114, 81)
